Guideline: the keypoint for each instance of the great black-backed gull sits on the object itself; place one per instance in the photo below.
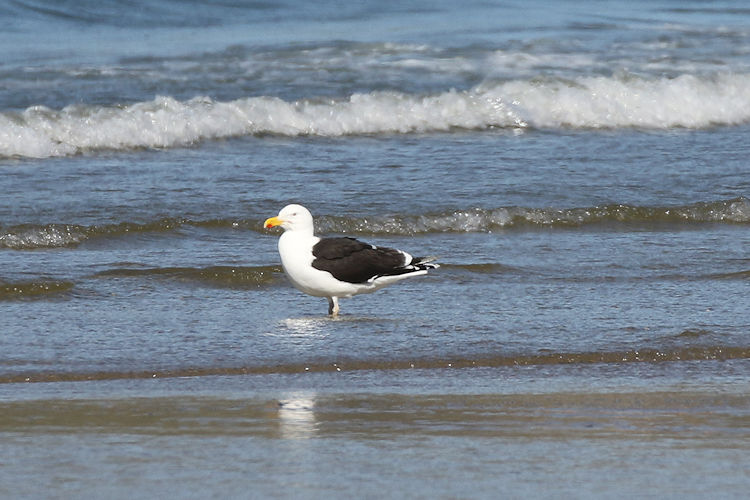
(338, 267)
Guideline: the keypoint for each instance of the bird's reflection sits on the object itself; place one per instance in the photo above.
(296, 415)
(308, 327)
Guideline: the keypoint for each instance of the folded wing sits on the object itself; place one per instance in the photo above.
(353, 261)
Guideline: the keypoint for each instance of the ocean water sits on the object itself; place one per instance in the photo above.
(580, 168)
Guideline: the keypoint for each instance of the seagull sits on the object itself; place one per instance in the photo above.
(338, 267)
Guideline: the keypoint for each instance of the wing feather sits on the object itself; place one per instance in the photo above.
(353, 261)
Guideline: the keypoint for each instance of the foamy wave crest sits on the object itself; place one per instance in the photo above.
(601, 102)
(589, 102)
(165, 122)
(32, 236)
(49, 236)
(735, 211)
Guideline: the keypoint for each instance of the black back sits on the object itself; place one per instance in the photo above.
(353, 261)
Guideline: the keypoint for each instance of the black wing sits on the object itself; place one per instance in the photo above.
(353, 261)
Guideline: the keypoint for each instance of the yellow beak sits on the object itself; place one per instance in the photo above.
(272, 222)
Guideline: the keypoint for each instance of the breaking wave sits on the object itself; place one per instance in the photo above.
(734, 211)
(33, 236)
(584, 103)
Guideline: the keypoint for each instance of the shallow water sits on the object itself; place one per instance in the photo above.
(650, 429)
(581, 173)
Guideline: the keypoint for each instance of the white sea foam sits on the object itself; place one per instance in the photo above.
(41, 237)
(527, 63)
(587, 102)
(600, 102)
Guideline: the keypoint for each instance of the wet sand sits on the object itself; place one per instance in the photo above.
(653, 430)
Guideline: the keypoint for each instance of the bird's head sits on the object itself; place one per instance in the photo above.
(291, 217)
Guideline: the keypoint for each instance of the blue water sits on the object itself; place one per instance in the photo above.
(579, 168)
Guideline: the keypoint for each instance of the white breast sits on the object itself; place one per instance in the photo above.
(296, 258)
